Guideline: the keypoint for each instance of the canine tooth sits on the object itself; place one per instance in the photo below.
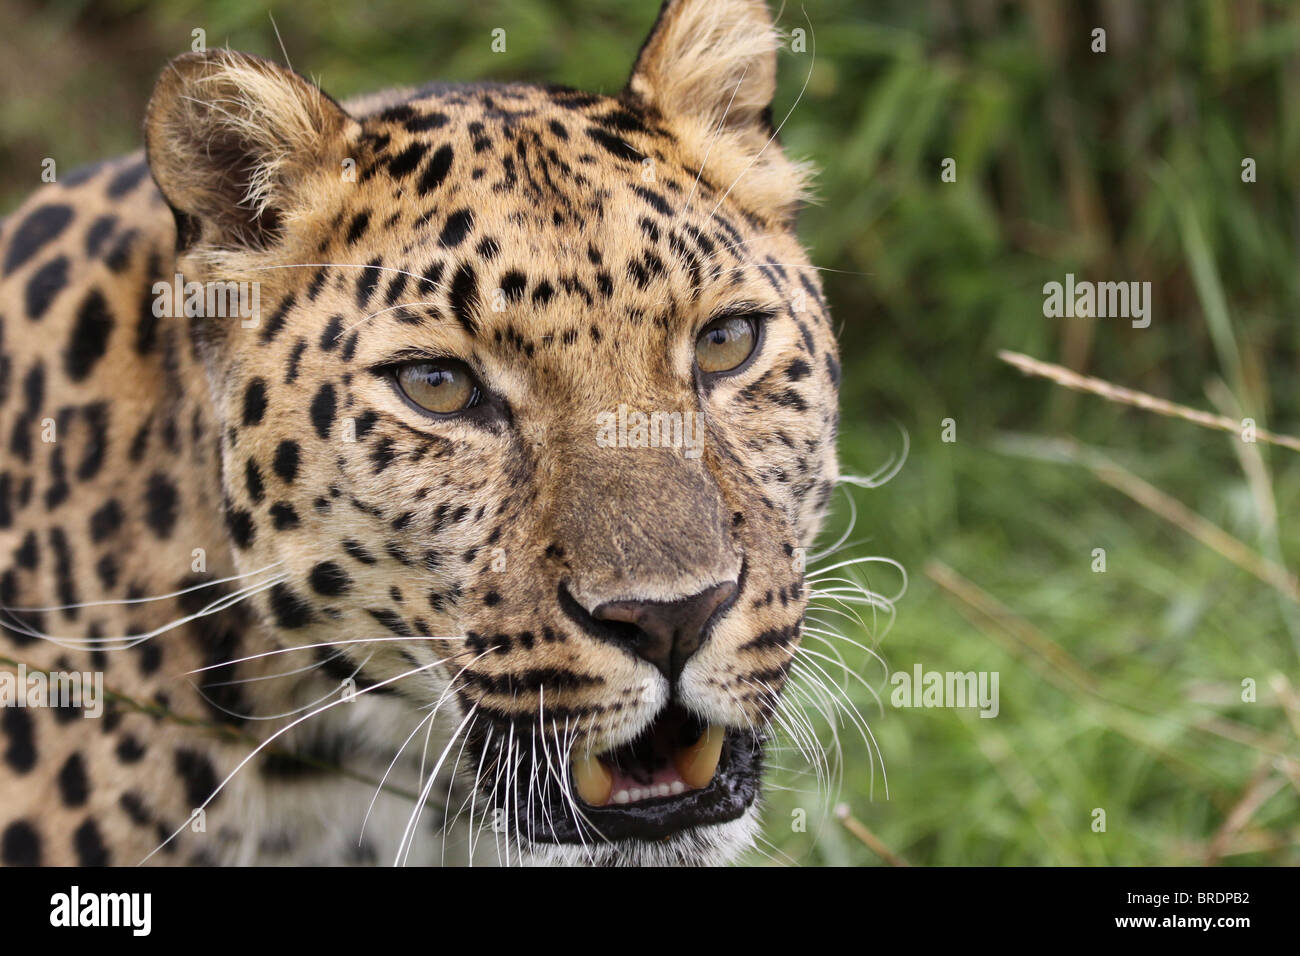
(592, 779)
(698, 762)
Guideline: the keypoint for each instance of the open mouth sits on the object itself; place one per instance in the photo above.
(677, 774)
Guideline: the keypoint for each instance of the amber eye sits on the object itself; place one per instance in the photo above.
(725, 343)
(442, 387)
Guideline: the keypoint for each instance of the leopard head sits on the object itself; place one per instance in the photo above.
(536, 419)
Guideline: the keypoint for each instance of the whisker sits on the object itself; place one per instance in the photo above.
(274, 736)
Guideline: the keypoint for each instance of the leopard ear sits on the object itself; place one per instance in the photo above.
(229, 139)
(709, 68)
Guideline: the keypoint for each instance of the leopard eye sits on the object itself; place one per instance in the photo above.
(725, 343)
(443, 387)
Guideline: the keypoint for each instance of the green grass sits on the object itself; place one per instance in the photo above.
(1122, 166)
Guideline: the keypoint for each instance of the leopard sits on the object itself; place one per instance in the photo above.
(421, 479)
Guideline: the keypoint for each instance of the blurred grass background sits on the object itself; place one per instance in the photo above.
(1119, 690)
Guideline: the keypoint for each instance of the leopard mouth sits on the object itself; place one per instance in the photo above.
(677, 774)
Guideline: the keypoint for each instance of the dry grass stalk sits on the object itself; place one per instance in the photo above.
(1126, 396)
(864, 833)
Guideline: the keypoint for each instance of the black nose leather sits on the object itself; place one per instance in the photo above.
(667, 633)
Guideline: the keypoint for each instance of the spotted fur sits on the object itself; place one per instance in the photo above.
(218, 494)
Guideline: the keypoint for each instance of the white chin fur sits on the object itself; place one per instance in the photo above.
(714, 845)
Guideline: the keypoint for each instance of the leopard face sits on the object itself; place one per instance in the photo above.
(535, 418)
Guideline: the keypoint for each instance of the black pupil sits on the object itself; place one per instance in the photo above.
(434, 376)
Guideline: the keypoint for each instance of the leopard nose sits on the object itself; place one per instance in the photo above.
(667, 633)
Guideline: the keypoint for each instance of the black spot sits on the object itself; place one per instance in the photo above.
(365, 423)
(797, 370)
(433, 275)
(241, 527)
(283, 516)
(253, 480)
(290, 610)
(89, 339)
(357, 229)
(129, 750)
(276, 322)
(397, 114)
(323, 410)
(96, 442)
(161, 503)
(27, 554)
(513, 284)
(20, 754)
(67, 590)
(285, 462)
(134, 806)
(833, 369)
(20, 845)
(119, 257)
(106, 571)
(90, 845)
(615, 145)
(404, 162)
(73, 785)
(394, 292)
(329, 579)
(436, 171)
(381, 456)
(34, 388)
(458, 226)
(254, 402)
(391, 620)
(464, 297)
(126, 180)
(330, 336)
(419, 124)
(41, 226)
(197, 773)
(654, 199)
(543, 293)
(45, 283)
(367, 281)
(99, 230)
(358, 553)
(57, 491)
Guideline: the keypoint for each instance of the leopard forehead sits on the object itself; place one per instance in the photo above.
(514, 213)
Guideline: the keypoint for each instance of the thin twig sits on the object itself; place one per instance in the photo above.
(1127, 396)
(863, 833)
